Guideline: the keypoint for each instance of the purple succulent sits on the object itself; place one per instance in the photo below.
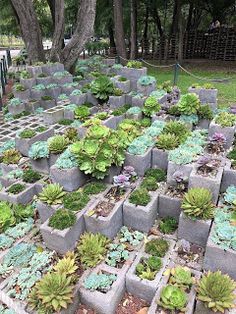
(204, 160)
(218, 138)
(179, 177)
(233, 109)
(121, 181)
(129, 171)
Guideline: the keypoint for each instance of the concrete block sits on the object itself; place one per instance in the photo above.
(159, 158)
(140, 162)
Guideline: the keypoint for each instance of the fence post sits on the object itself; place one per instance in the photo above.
(117, 59)
(2, 78)
(176, 73)
(4, 69)
(9, 60)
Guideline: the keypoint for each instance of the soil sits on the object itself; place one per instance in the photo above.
(114, 195)
(132, 305)
(172, 191)
(103, 208)
(83, 309)
(210, 170)
(215, 149)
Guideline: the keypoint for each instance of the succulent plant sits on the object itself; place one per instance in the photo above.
(39, 150)
(52, 194)
(92, 249)
(16, 188)
(149, 183)
(216, 291)
(157, 247)
(101, 282)
(151, 106)
(62, 219)
(177, 128)
(27, 133)
(92, 188)
(66, 265)
(7, 218)
(225, 119)
(82, 113)
(66, 160)
(148, 268)
(132, 237)
(146, 80)
(189, 104)
(167, 141)
(197, 204)
(57, 144)
(158, 174)
(140, 197)
(173, 298)
(168, 225)
(181, 276)
(117, 254)
(11, 156)
(102, 88)
(134, 64)
(75, 201)
(205, 112)
(140, 145)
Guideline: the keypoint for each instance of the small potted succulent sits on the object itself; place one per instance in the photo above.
(205, 114)
(47, 102)
(133, 71)
(16, 106)
(117, 99)
(122, 83)
(207, 173)
(39, 156)
(53, 115)
(62, 77)
(21, 92)
(146, 84)
(32, 105)
(68, 88)
(224, 123)
(195, 220)
(77, 97)
(10, 160)
(38, 91)
(44, 79)
(27, 80)
(56, 145)
(134, 113)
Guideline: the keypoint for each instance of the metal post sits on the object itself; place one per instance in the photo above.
(9, 60)
(2, 78)
(117, 59)
(176, 73)
(4, 69)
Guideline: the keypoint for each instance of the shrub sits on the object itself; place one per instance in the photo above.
(92, 249)
(216, 291)
(151, 106)
(57, 144)
(167, 141)
(31, 176)
(82, 113)
(157, 247)
(149, 183)
(173, 298)
(11, 156)
(140, 197)
(225, 119)
(16, 188)
(27, 133)
(197, 204)
(52, 194)
(158, 174)
(94, 188)
(189, 104)
(75, 201)
(168, 225)
(134, 64)
(62, 219)
(102, 88)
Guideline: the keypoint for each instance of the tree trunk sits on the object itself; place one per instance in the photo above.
(145, 32)
(190, 15)
(119, 28)
(181, 38)
(158, 22)
(133, 26)
(111, 37)
(83, 32)
(59, 28)
(30, 29)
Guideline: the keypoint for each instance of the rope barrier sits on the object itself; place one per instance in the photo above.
(158, 66)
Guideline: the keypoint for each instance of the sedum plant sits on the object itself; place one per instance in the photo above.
(134, 64)
(168, 225)
(131, 237)
(140, 197)
(27, 133)
(92, 188)
(149, 183)
(11, 156)
(66, 160)
(16, 188)
(140, 145)
(52, 194)
(92, 249)
(31, 176)
(173, 298)
(189, 104)
(75, 201)
(205, 112)
(225, 119)
(151, 106)
(167, 141)
(216, 291)
(57, 144)
(62, 219)
(101, 282)
(158, 174)
(197, 204)
(157, 247)
(102, 88)
(39, 150)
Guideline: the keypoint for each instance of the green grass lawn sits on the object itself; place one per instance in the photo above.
(227, 89)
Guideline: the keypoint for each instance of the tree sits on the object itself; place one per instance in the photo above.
(133, 26)
(119, 28)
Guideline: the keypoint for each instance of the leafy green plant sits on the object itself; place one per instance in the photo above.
(11, 156)
(65, 122)
(71, 134)
(122, 79)
(149, 267)
(102, 115)
(16, 188)
(19, 88)
(181, 276)
(57, 144)
(168, 225)
(167, 141)
(31, 176)
(157, 247)
(25, 74)
(7, 218)
(134, 64)
(151, 106)
(92, 249)
(117, 92)
(146, 122)
(149, 183)
(75, 201)
(205, 112)
(225, 119)
(178, 129)
(121, 110)
(62, 219)
(102, 88)
(216, 291)
(94, 188)
(189, 104)
(82, 113)
(197, 204)
(140, 197)
(52, 194)
(174, 110)
(66, 265)
(53, 292)
(101, 282)
(39, 150)
(173, 298)
(158, 174)
(27, 133)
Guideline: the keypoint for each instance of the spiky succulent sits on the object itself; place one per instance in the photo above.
(67, 265)
(177, 128)
(173, 298)
(181, 276)
(197, 204)
(189, 104)
(11, 156)
(167, 141)
(151, 106)
(57, 144)
(216, 291)
(55, 291)
(92, 249)
(52, 194)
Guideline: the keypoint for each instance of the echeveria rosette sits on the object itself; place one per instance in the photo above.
(217, 137)
(189, 104)
(146, 80)
(230, 194)
(224, 235)
(173, 298)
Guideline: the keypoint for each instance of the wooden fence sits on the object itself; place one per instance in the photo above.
(5, 63)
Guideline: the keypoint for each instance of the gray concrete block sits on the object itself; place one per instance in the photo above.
(104, 303)
(113, 171)
(124, 86)
(210, 183)
(23, 95)
(169, 206)
(173, 167)
(140, 218)
(45, 211)
(28, 83)
(14, 110)
(78, 99)
(54, 92)
(52, 116)
(91, 99)
(61, 80)
(203, 124)
(229, 176)
(34, 70)
(44, 80)
(63, 241)
(23, 197)
(41, 165)
(146, 90)
(217, 258)
(133, 75)
(48, 104)
(140, 162)
(206, 96)
(37, 94)
(159, 158)
(7, 168)
(110, 122)
(228, 132)
(116, 101)
(194, 231)
(138, 102)
(71, 179)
